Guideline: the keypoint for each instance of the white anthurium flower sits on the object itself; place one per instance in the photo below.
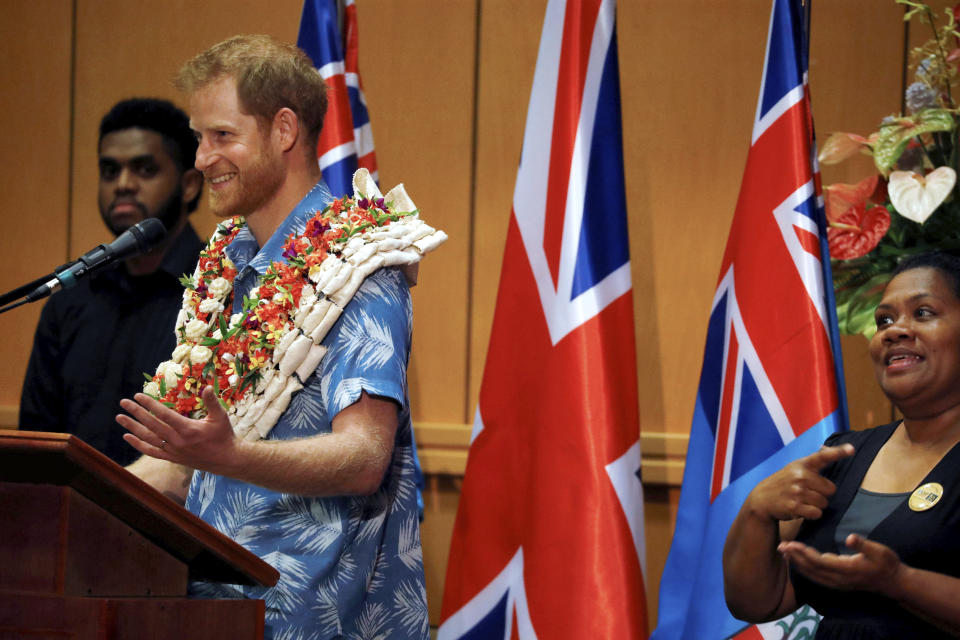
(152, 389)
(916, 197)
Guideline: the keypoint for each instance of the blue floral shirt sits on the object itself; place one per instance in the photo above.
(350, 566)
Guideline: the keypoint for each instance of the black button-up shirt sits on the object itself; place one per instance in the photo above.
(95, 341)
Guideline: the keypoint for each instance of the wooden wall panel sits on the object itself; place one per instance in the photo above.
(417, 62)
(689, 84)
(35, 181)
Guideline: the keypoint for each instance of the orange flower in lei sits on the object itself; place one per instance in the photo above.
(232, 353)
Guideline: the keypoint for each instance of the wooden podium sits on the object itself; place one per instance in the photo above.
(87, 550)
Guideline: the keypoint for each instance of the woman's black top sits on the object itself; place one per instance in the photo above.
(923, 539)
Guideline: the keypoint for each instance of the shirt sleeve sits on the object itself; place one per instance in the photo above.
(368, 348)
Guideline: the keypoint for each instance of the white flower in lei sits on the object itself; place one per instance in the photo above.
(256, 360)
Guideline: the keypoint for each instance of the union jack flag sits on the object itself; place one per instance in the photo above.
(548, 540)
(770, 387)
(346, 141)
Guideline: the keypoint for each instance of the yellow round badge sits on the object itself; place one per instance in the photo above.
(926, 496)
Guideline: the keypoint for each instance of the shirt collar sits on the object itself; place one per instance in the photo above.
(243, 250)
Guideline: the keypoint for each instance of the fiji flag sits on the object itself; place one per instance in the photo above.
(548, 541)
(770, 384)
(346, 141)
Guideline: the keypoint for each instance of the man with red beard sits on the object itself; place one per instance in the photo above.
(95, 340)
(327, 496)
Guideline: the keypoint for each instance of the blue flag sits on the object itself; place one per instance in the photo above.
(770, 387)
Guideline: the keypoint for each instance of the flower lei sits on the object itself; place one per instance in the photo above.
(255, 360)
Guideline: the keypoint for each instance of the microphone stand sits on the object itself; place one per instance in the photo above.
(22, 291)
(138, 239)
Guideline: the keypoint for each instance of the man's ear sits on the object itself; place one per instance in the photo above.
(191, 182)
(286, 127)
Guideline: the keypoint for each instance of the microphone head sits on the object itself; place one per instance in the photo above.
(138, 239)
(152, 230)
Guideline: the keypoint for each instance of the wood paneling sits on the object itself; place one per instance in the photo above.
(35, 44)
(417, 61)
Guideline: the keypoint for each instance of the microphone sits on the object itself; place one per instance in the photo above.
(138, 239)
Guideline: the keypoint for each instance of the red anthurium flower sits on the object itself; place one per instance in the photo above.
(857, 231)
(839, 198)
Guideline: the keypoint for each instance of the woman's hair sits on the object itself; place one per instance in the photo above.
(270, 75)
(946, 263)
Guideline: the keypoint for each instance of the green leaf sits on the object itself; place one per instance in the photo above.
(209, 342)
(148, 377)
(223, 325)
(860, 319)
(893, 137)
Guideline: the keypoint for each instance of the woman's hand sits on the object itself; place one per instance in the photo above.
(755, 577)
(874, 566)
(798, 490)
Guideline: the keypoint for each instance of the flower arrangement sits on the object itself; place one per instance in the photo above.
(258, 358)
(912, 204)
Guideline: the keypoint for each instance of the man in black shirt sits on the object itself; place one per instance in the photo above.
(95, 341)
